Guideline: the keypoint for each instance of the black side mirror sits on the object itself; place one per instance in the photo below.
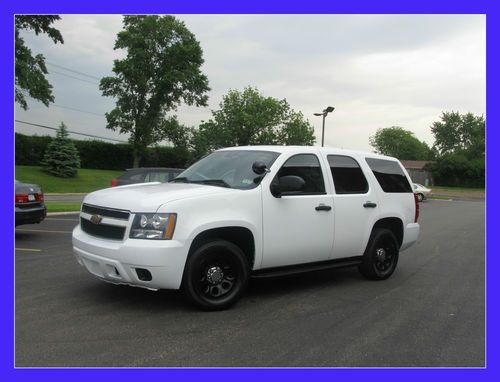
(259, 167)
(287, 185)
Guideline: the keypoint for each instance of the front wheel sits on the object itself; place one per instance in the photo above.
(381, 255)
(420, 197)
(216, 275)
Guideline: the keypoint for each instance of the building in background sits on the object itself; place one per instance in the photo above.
(417, 173)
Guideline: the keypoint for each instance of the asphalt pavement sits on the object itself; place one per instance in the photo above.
(431, 312)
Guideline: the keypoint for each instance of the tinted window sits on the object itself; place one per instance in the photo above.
(347, 175)
(133, 176)
(158, 176)
(389, 175)
(307, 167)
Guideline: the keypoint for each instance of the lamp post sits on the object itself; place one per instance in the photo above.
(325, 112)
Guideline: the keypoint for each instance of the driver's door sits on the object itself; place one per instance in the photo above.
(298, 228)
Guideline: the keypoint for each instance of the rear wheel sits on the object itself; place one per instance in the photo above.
(420, 197)
(216, 275)
(381, 255)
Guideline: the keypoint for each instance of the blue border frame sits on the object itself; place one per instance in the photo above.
(9, 8)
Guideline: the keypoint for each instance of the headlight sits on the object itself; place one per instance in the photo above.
(153, 226)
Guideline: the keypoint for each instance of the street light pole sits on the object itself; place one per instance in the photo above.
(325, 112)
(323, 131)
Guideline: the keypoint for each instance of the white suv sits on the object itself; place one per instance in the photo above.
(245, 212)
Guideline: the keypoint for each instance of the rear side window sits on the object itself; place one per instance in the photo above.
(389, 175)
(347, 175)
(133, 176)
(158, 176)
(307, 167)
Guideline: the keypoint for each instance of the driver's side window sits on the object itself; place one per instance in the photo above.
(307, 167)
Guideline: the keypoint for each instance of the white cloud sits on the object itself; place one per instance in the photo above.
(377, 70)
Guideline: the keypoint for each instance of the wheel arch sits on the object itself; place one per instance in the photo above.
(238, 235)
(394, 224)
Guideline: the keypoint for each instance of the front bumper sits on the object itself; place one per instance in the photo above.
(118, 261)
(412, 231)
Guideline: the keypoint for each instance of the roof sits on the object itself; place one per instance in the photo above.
(311, 149)
(415, 164)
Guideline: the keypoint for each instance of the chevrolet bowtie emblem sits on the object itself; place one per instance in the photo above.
(96, 219)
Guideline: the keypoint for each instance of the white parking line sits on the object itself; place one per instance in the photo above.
(40, 230)
(28, 249)
(66, 220)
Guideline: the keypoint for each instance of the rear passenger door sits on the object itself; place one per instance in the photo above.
(354, 206)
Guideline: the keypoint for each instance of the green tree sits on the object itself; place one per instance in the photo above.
(400, 143)
(161, 69)
(249, 118)
(30, 71)
(460, 144)
(61, 157)
(457, 132)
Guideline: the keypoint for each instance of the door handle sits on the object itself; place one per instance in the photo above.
(370, 205)
(323, 207)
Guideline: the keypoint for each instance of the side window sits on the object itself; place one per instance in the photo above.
(389, 175)
(135, 177)
(158, 176)
(308, 168)
(347, 175)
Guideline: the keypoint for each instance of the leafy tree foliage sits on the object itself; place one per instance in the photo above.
(30, 71)
(61, 156)
(460, 143)
(400, 143)
(161, 69)
(457, 132)
(249, 118)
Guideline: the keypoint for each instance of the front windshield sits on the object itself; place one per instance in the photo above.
(231, 168)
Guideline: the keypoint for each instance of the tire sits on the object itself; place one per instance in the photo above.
(381, 255)
(420, 197)
(216, 275)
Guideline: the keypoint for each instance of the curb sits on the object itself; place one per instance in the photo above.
(62, 213)
(64, 193)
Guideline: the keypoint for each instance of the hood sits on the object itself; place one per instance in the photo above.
(148, 197)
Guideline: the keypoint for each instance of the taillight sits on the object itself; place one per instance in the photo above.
(21, 198)
(39, 197)
(114, 182)
(417, 207)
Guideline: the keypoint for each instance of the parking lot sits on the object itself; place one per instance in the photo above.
(431, 312)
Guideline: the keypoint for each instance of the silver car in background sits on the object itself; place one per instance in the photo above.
(421, 191)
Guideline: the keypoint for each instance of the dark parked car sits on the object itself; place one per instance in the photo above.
(146, 174)
(29, 205)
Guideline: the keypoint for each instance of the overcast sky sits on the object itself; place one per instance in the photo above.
(376, 70)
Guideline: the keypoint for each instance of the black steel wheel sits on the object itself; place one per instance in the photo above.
(216, 274)
(381, 255)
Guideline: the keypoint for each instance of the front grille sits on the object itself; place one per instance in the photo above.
(105, 231)
(108, 212)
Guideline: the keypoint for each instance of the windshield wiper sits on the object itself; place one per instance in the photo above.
(212, 182)
(182, 179)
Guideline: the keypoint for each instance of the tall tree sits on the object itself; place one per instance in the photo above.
(249, 118)
(457, 132)
(400, 143)
(161, 69)
(30, 71)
